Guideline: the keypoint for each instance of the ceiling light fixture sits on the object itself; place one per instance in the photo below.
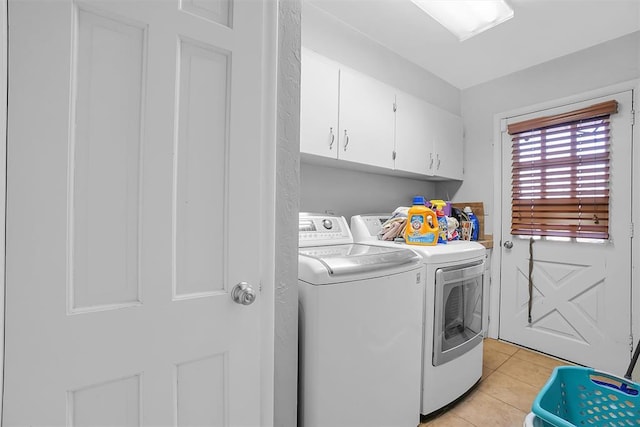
(466, 18)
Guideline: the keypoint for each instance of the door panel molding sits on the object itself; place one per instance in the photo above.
(105, 162)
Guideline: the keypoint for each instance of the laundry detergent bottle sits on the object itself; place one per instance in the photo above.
(443, 225)
(475, 223)
(422, 224)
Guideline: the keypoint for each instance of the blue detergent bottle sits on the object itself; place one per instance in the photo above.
(475, 224)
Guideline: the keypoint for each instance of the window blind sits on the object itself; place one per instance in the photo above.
(560, 174)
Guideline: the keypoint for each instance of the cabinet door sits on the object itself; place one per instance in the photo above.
(414, 135)
(319, 105)
(366, 120)
(448, 146)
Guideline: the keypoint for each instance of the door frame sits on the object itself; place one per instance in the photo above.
(499, 123)
(4, 47)
(268, 244)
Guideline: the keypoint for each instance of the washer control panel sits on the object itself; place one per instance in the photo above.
(320, 230)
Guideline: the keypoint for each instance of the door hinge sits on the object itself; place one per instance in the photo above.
(631, 342)
(631, 227)
(393, 155)
(395, 107)
(633, 117)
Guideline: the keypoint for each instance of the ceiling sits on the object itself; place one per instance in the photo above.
(540, 30)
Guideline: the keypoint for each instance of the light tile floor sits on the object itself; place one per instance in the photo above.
(511, 379)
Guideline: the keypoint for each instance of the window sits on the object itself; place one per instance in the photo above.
(560, 174)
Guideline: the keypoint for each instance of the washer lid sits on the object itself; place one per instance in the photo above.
(356, 258)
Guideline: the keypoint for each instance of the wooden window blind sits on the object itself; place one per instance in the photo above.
(560, 174)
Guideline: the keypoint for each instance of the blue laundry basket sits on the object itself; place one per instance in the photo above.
(578, 396)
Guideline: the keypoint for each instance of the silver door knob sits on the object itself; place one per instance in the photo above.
(243, 293)
(508, 244)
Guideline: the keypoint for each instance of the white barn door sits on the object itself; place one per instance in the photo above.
(581, 291)
(134, 141)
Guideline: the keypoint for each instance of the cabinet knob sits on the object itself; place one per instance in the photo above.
(332, 139)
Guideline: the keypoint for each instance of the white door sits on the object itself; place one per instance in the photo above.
(581, 291)
(366, 120)
(134, 137)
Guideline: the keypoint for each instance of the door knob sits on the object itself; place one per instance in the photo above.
(243, 293)
(508, 244)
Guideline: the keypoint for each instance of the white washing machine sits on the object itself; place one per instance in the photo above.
(454, 281)
(360, 323)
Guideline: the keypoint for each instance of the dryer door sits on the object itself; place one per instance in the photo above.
(458, 311)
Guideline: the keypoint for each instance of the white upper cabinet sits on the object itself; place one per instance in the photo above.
(414, 135)
(350, 116)
(319, 105)
(366, 120)
(428, 139)
(448, 146)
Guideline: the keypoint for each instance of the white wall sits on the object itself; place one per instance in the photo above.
(346, 192)
(603, 65)
(349, 192)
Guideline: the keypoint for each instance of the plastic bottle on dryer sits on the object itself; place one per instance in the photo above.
(422, 224)
(475, 224)
(443, 224)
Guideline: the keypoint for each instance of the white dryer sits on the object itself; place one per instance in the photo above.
(360, 323)
(453, 329)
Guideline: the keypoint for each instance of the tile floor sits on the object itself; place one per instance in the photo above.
(511, 379)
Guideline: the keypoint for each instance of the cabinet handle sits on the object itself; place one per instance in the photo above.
(430, 160)
(333, 138)
(346, 140)
(438, 164)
